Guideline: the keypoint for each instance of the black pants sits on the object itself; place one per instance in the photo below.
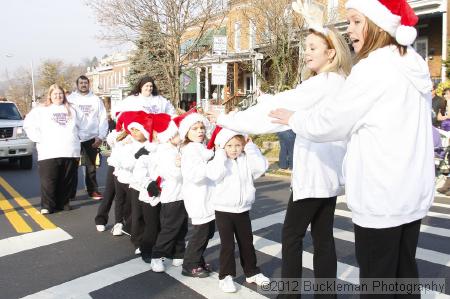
(239, 225)
(88, 156)
(58, 182)
(122, 207)
(174, 226)
(201, 233)
(387, 253)
(108, 197)
(319, 212)
(145, 224)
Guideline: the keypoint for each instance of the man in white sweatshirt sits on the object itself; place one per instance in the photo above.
(97, 126)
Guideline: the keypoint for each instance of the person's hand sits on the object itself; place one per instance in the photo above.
(97, 142)
(153, 189)
(212, 116)
(281, 116)
(178, 161)
(140, 152)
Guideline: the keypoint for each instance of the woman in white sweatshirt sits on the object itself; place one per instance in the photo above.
(144, 97)
(316, 177)
(384, 111)
(237, 162)
(57, 128)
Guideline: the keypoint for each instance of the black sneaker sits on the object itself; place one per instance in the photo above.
(198, 272)
(147, 259)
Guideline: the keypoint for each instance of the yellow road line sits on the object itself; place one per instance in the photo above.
(41, 220)
(16, 220)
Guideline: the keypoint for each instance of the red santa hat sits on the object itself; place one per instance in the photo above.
(135, 119)
(395, 17)
(220, 137)
(186, 120)
(164, 126)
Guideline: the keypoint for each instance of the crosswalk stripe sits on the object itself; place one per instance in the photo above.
(14, 218)
(423, 254)
(423, 228)
(29, 241)
(345, 272)
(209, 286)
(41, 220)
(434, 204)
(82, 286)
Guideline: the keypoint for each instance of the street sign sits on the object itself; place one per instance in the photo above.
(220, 45)
(219, 74)
(116, 94)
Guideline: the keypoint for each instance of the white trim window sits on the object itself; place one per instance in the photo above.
(421, 46)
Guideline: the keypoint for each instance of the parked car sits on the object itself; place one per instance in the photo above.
(14, 143)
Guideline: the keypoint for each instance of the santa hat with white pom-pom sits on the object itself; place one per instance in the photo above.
(395, 17)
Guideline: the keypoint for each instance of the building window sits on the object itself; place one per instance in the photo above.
(251, 35)
(421, 46)
(237, 36)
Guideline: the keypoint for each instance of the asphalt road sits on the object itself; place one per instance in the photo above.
(63, 256)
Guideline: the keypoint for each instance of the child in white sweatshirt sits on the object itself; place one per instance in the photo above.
(138, 125)
(166, 164)
(196, 192)
(237, 162)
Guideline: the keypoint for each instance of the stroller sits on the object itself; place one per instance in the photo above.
(441, 153)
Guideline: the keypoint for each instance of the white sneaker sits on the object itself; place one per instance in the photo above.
(117, 229)
(100, 228)
(227, 284)
(44, 211)
(137, 251)
(177, 262)
(259, 279)
(157, 265)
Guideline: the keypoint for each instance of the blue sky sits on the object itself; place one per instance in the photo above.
(48, 29)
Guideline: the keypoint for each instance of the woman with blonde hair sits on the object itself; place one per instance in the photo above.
(384, 111)
(56, 127)
(316, 176)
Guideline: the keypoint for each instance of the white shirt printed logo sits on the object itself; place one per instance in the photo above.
(151, 109)
(60, 118)
(86, 109)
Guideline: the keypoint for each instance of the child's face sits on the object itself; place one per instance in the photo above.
(233, 148)
(356, 28)
(317, 54)
(197, 132)
(137, 135)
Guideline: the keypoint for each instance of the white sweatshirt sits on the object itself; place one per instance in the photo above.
(234, 191)
(384, 108)
(151, 104)
(196, 189)
(144, 172)
(57, 135)
(96, 123)
(172, 180)
(317, 167)
(125, 161)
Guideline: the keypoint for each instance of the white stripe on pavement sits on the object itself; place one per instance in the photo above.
(33, 240)
(423, 228)
(345, 272)
(209, 286)
(82, 286)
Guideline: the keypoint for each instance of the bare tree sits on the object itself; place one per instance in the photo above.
(162, 27)
(19, 89)
(278, 37)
